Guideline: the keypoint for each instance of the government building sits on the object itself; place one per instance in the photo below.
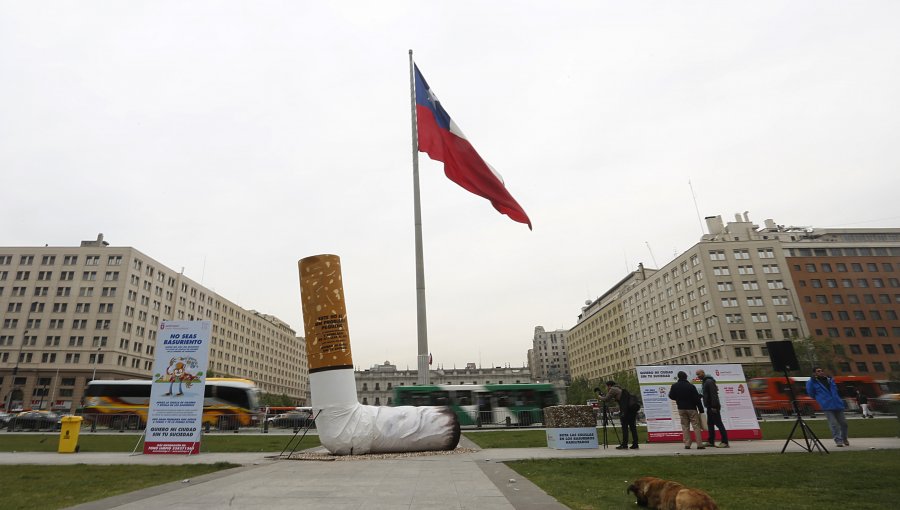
(743, 285)
(375, 386)
(72, 314)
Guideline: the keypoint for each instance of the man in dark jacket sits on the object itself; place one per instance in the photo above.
(710, 392)
(628, 409)
(686, 398)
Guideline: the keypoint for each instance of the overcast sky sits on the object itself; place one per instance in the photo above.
(235, 138)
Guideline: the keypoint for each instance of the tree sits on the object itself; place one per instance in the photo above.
(273, 400)
(580, 391)
(628, 379)
(815, 351)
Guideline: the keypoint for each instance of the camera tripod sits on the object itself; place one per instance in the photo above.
(809, 437)
(605, 417)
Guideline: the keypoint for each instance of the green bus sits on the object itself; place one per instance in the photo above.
(483, 404)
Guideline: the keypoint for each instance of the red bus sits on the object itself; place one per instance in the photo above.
(771, 394)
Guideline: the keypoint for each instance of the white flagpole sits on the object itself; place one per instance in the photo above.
(423, 375)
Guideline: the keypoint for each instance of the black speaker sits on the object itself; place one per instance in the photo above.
(782, 355)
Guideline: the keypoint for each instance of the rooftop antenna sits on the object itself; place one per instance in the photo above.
(655, 265)
(694, 196)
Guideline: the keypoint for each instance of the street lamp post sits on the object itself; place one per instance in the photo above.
(720, 331)
(797, 314)
(37, 379)
(15, 371)
(96, 360)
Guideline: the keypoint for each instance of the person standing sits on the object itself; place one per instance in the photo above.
(824, 390)
(710, 393)
(863, 402)
(687, 400)
(628, 409)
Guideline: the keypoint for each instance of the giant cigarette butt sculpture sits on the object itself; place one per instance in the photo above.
(345, 426)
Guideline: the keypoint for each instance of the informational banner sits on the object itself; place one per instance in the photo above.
(174, 421)
(572, 438)
(663, 422)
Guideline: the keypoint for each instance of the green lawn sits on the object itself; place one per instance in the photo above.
(87, 442)
(50, 487)
(531, 438)
(859, 480)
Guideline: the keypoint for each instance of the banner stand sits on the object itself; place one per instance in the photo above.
(175, 416)
(140, 440)
(661, 413)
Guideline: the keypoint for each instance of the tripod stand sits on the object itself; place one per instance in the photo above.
(605, 417)
(809, 437)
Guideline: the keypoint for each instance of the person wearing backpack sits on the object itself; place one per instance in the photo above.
(628, 409)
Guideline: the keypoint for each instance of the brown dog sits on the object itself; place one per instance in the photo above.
(652, 492)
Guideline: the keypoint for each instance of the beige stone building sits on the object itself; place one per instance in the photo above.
(725, 297)
(72, 314)
(549, 356)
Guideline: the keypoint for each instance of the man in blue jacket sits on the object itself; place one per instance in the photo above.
(822, 388)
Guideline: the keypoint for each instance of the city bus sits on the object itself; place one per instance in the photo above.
(228, 403)
(482, 404)
(771, 394)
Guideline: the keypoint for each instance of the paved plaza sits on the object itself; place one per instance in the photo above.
(475, 479)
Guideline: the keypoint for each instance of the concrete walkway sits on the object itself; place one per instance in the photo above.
(471, 480)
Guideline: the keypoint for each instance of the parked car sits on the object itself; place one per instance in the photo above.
(291, 419)
(4, 419)
(31, 420)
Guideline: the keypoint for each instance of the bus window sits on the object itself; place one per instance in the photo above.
(464, 398)
(235, 396)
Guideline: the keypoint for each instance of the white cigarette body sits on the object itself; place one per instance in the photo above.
(345, 426)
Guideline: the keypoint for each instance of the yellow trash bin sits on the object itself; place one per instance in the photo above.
(68, 434)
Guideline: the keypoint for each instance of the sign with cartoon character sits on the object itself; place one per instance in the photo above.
(663, 423)
(174, 421)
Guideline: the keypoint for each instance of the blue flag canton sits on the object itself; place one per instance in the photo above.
(426, 98)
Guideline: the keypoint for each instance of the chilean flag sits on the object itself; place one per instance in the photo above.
(442, 139)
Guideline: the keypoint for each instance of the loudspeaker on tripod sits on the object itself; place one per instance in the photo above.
(782, 355)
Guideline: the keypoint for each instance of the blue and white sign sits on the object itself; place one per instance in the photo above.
(572, 438)
(175, 417)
